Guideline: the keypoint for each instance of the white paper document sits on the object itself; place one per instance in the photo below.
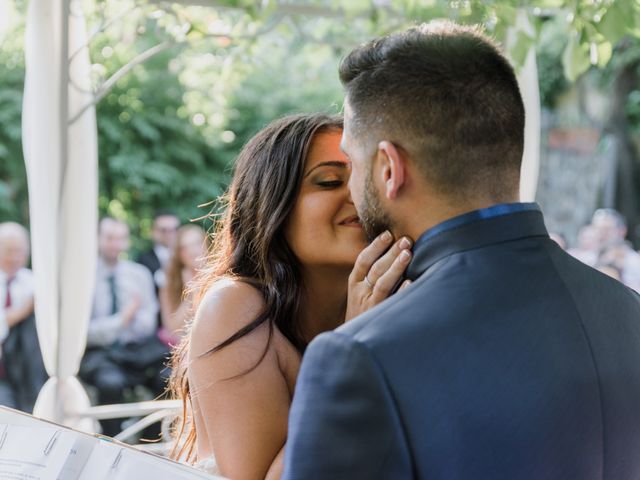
(33, 453)
(35, 449)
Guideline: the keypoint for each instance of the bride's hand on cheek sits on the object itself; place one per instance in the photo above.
(375, 273)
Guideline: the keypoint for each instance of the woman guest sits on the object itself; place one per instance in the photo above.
(175, 295)
(280, 268)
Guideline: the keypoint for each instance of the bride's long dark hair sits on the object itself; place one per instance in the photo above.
(249, 244)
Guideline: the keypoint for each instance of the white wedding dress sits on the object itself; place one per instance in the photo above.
(208, 465)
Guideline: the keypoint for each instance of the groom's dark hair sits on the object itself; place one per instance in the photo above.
(446, 95)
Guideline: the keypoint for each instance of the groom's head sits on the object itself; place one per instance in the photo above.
(433, 119)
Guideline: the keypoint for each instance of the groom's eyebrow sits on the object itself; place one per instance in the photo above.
(332, 163)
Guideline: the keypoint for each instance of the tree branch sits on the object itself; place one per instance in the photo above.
(108, 84)
(161, 47)
(291, 9)
(282, 9)
(101, 28)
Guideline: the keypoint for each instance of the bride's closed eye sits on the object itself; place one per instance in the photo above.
(330, 183)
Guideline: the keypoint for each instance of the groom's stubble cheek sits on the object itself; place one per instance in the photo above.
(373, 217)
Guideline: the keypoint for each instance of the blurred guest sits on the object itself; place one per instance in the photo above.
(163, 235)
(175, 300)
(623, 257)
(17, 280)
(611, 270)
(610, 225)
(122, 347)
(588, 248)
(21, 369)
(559, 239)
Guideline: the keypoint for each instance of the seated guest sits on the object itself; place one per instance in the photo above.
(610, 226)
(175, 296)
(163, 235)
(588, 248)
(610, 269)
(559, 239)
(22, 372)
(122, 347)
(626, 260)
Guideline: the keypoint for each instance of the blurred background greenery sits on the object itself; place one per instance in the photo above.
(170, 126)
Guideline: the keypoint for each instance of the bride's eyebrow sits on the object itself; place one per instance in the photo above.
(332, 163)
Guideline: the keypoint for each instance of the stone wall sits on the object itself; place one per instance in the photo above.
(576, 162)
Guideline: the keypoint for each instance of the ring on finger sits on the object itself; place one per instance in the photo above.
(368, 282)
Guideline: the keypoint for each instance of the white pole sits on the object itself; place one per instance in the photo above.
(530, 90)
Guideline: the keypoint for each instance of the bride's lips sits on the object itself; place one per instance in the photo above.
(351, 221)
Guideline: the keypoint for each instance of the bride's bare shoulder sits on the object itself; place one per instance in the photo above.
(228, 306)
(229, 295)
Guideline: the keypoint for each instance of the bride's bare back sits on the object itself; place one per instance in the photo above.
(245, 425)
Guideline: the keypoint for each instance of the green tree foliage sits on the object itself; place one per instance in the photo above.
(552, 79)
(152, 153)
(170, 127)
(13, 180)
(282, 81)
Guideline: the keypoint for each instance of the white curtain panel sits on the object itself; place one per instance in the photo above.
(61, 162)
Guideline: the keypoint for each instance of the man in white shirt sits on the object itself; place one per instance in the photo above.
(122, 348)
(16, 297)
(16, 281)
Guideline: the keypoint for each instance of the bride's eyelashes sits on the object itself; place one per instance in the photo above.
(330, 183)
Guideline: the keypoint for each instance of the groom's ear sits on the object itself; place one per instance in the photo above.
(394, 168)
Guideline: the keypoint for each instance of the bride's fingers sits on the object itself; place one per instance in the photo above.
(369, 255)
(384, 263)
(375, 273)
(390, 278)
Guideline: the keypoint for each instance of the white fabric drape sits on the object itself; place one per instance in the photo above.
(61, 162)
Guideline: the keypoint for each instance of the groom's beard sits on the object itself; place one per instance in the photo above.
(373, 218)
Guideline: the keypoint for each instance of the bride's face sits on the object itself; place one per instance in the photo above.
(324, 229)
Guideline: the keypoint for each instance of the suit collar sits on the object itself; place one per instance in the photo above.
(474, 230)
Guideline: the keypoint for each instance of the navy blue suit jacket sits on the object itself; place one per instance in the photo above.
(505, 359)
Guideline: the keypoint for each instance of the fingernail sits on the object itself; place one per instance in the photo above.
(405, 243)
(386, 236)
(405, 255)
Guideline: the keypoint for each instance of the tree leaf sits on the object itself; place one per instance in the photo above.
(518, 52)
(354, 8)
(605, 50)
(550, 3)
(617, 21)
(575, 58)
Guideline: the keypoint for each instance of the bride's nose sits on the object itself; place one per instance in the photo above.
(348, 185)
(349, 199)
